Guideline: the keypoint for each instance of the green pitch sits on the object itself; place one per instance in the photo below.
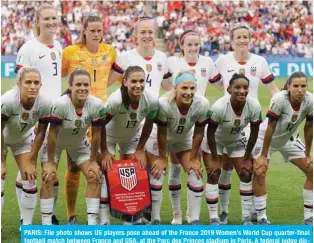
(284, 184)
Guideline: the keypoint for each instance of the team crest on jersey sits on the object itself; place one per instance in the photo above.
(159, 66)
(78, 123)
(237, 122)
(253, 71)
(104, 59)
(242, 71)
(155, 146)
(25, 116)
(203, 72)
(94, 62)
(128, 178)
(144, 111)
(133, 115)
(182, 121)
(35, 115)
(294, 118)
(149, 67)
(193, 118)
(53, 56)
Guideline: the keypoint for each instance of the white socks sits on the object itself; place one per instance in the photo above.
(104, 212)
(156, 193)
(28, 201)
(46, 208)
(224, 184)
(92, 210)
(195, 196)
(212, 195)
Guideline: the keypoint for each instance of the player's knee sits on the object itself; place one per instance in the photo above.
(213, 176)
(261, 170)
(245, 176)
(92, 177)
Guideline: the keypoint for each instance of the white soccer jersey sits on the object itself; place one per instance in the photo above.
(156, 68)
(124, 123)
(255, 69)
(20, 121)
(47, 59)
(230, 124)
(205, 71)
(180, 124)
(287, 118)
(73, 125)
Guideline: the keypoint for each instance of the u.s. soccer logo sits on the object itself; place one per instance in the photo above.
(128, 178)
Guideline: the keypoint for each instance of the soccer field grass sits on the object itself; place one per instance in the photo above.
(284, 184)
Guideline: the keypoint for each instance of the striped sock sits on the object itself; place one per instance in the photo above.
(156, 193)
(46, 208)
(224, 185)
(195, 196)
(175, 187)
(308, 203)
(18, 190)
(28, 201)
(246, 193)
(104, 212)
(212, 194)
(260, 206)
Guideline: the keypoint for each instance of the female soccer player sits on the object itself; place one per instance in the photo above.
(278, 132)
(205, 72)
(44, 53)
(91, 54)
(229, 116)
(256, 69)
(21, 109)
(72, 114)
(179, 110)
(154, 63)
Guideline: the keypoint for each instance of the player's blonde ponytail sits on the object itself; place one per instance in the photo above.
(37, 17)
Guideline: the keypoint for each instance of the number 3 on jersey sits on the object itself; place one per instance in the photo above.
(55, 68)
(149, 80)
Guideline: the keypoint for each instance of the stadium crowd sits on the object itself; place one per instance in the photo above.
(279, 28)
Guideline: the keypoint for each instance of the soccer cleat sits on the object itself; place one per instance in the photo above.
(195, 222)
(247, 221)
(54, 220)
(263, 221)
(254, 216)
(308, 221)
(214, 221)
(156, 222)
(223, 218)
(21, 223)
(72, 220)
(177, 218)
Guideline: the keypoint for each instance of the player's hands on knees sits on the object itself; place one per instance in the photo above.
(159, 167)
(309, 160)
(247, 165)
(212, 169)
(31, 172)
(140, 156)
(49, 173)
(3, 171)
(93, 167)
(107, 158)
(259, 163)
(196, 165)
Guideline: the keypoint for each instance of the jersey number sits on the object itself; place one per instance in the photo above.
(149, 81)
(75, 131)
(55, 67)
(24, 124)
(180, 129)
(131, 124)
(235, 130)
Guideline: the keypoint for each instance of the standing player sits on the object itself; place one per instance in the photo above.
(205, 72)
(96, 58)
(180, 109)
(71, 116)
(288, 109)
(45, 54)
(255, 69)
(229, 116)
(154, 63)
(21, 109)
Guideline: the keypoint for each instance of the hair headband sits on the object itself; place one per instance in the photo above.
(184, 77)
(187, 34)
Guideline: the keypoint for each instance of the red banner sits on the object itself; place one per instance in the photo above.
(129, 192)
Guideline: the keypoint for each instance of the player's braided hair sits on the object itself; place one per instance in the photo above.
(76, 72)
(24, 70)
(37, 16)
(292, 76)
(235, 77)
(92, 17)
(124, 89)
